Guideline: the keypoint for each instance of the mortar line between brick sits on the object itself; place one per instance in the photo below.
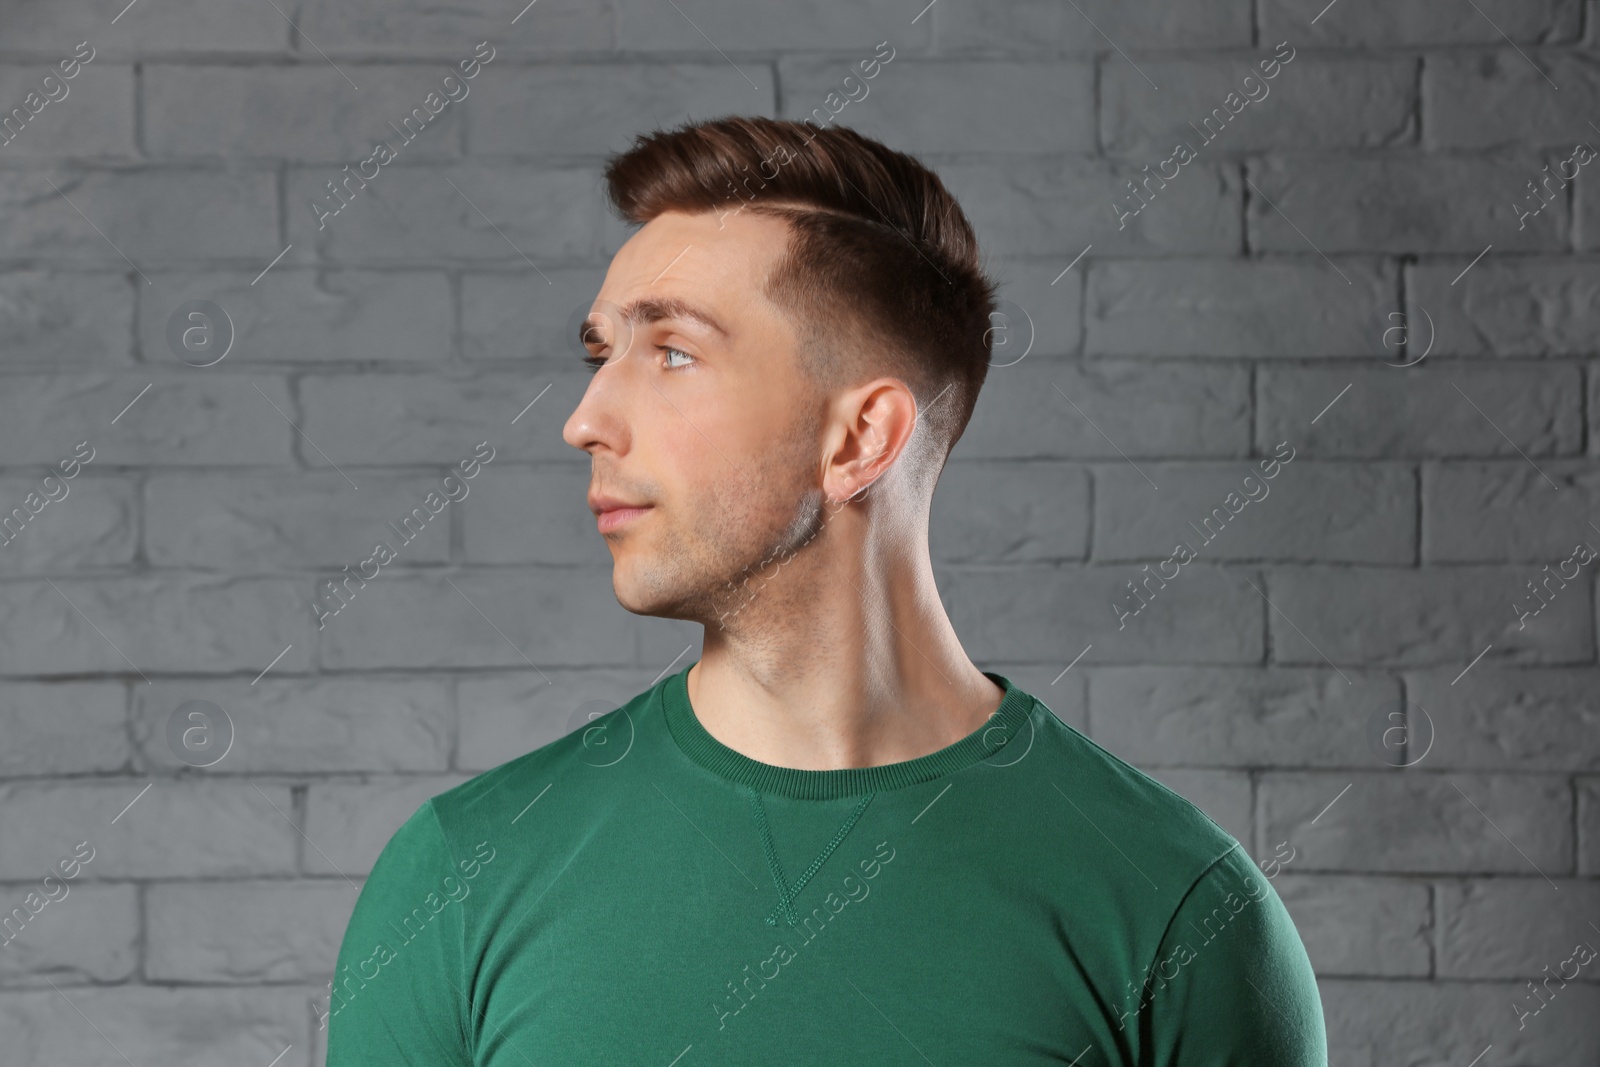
(1434, 929)
(1266, 622)
(456, 549)
(1251, 444)
(137, 103)
(1253, 780)
(141, 561)
(1417, 475)
(453, 758)
(1244, 209)
(300, 803)
(1416, 105)
(456, 280)
(1099, 126)
(1572, 216)
(1089, 515)
(281, 174)
(142, 934)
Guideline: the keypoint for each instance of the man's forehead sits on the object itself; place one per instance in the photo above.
(731, 234)
(654, 308)
(691, 267)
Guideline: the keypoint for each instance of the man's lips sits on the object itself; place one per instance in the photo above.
(610, 518)
(599, 502)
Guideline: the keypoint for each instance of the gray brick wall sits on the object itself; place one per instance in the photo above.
(1377, 194)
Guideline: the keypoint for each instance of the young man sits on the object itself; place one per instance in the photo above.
(833, 838)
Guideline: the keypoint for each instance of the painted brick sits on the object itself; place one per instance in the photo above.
(1235, 717)
(1509, 719)
(157, 1024)
(1283, 306)
(1402, 23)
(1035, 613)
(537, 514)
(1515, 927)
(524, 315)
(1396, 203)
(171, 622)
(91, 934)
(1051, 409)
(1403, 617)
(294, 315)
(1506, 510)
(305, 725)
(150, 213)
(1038, 24)
(300, 111)
(492, 618)
(395, 419)
(408, 213)
(1356, 925)
(593, 109)
(187, 26)
(419, 26)
(299, 521)
(54, 319)
(93, 119)
(1373, 1022)
(1312, 102)
(987, 512)
(1497, 98)
(174, 830)
(1041, 310)
(951, 107)
(1519, 307)
(222, 420)
(96, 529)
(1359, 513)
(1459, 410)
(62, 728)
(846, 25)
(1415, 822)
(245, 932)
(1588, 790)
(1028, 208)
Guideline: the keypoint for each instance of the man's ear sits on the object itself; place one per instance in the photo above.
(873, 426)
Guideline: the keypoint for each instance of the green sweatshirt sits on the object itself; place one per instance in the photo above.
(637, 892)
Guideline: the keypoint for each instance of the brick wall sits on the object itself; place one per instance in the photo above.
(1350, 265)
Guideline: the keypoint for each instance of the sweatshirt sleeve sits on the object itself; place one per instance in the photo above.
(1231, 985)
(398, 997)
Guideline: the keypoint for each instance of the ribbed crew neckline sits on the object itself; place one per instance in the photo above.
(697, 743)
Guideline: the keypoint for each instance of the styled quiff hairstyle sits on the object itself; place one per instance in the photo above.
(881, 274)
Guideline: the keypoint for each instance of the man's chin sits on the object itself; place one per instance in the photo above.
(638, 596)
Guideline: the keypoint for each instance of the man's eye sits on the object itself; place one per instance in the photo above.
(595, 362)
(669, 350)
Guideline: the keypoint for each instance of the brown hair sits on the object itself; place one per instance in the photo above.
(882, 271)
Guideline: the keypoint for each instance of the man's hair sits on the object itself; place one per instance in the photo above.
(881, 274)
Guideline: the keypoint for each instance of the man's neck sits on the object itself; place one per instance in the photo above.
(882, 698)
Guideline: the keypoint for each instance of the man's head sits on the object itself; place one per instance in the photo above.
(787, 350)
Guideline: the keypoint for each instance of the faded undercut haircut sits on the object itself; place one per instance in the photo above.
(882, 272)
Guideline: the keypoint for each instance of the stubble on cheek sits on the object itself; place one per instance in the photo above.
(757, 540)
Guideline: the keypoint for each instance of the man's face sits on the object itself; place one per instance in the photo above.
(709, 425)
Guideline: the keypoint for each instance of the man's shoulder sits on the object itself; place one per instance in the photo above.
(1164, 838)
(503, 795)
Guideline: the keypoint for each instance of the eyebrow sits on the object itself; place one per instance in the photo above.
(654, 309)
